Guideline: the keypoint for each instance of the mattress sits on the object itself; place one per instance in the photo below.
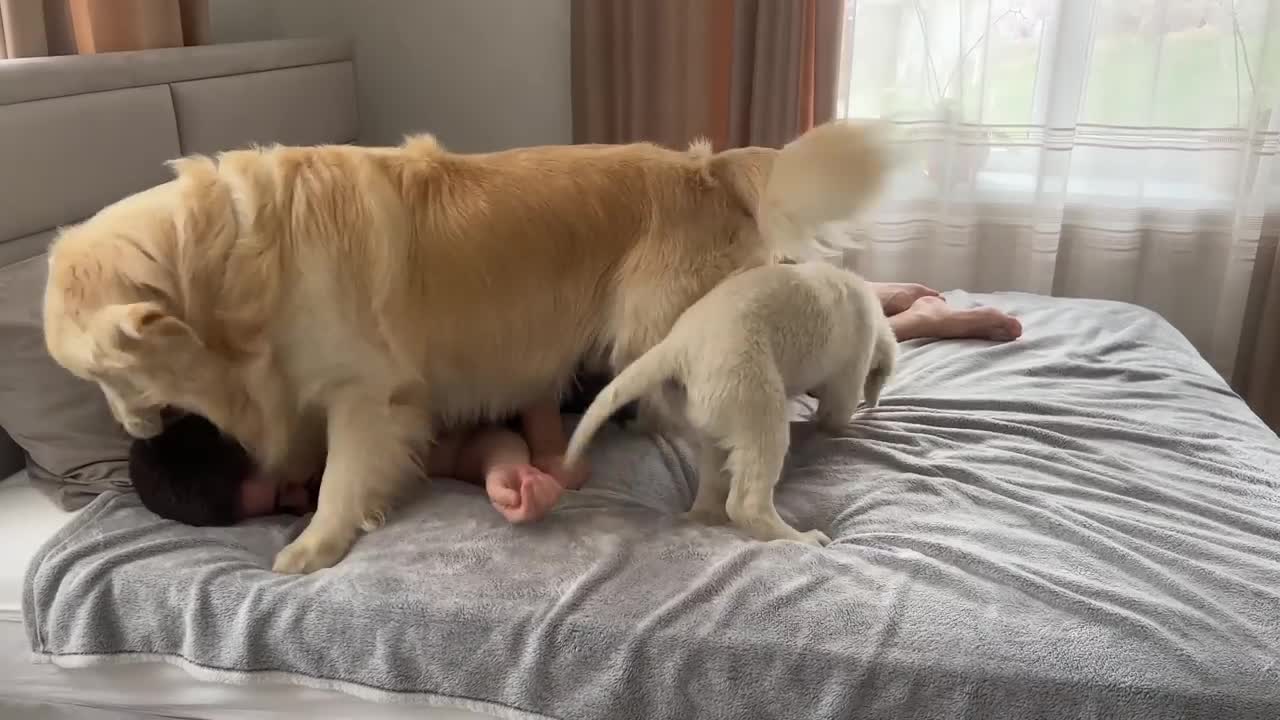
(1082, 523)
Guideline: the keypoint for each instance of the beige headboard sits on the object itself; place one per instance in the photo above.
(80, 132)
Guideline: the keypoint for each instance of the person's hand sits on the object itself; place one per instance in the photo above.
(570, 479)
(522, 493)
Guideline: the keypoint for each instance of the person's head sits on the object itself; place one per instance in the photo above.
(194, 474)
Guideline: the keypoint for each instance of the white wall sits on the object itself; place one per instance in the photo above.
(480, 74)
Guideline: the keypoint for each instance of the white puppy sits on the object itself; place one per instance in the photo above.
(728, 367)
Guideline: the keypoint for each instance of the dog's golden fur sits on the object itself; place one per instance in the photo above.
(329, 305)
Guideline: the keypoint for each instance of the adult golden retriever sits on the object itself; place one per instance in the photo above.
(327, 305)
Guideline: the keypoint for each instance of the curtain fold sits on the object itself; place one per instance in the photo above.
(35, 28)
(24, 33)
(1106, 149)
(737, 72)
(1258, 369)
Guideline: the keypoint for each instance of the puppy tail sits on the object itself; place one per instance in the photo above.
(650, 369)
(883, 361)
(829, 174)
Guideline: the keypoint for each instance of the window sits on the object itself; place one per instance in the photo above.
(1164, 102)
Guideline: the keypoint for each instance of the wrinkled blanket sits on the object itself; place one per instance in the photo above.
(1082, 523)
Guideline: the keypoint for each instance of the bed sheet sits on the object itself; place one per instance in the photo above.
(1082, 523)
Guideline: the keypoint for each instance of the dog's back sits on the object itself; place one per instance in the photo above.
(812, 316)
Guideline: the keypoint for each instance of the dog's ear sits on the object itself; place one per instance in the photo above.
(119, 332)
(149, 321)
(138, 319)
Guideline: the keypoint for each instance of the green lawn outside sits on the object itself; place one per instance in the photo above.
(1196, 85)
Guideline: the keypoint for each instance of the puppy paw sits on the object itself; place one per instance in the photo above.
(306, 555)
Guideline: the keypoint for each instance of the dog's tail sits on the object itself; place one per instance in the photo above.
(884, 359)
(649, 370)
(830, 174)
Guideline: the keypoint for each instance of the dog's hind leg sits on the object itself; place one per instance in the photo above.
(884, 360)
(839, 396)
(376, 446)
(713, 485)
(758, 438)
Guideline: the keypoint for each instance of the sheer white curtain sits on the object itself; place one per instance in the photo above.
(1118, 149)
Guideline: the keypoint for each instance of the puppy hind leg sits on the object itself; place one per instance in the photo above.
(668, 408)
(884, 359)
(375, 450)
(758, 442)
(840, 395)
(713, 486)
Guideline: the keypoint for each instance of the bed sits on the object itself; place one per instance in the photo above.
(1082, 523)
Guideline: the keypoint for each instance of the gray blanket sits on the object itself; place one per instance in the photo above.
(1083, 523)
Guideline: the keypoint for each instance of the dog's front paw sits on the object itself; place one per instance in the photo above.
(306, 555)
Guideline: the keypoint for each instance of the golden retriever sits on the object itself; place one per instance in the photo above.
(327, 306)
(779, 331)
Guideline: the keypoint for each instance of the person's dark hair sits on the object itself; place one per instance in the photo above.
(191, 473)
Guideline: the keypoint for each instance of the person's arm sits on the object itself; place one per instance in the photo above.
(485, 448)
(544, 431)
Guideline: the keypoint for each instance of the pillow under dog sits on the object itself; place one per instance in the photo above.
(75, 450)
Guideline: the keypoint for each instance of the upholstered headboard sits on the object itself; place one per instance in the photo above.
(80, 132)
